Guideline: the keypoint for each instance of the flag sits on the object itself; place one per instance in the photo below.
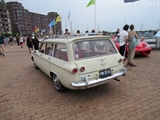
(34, 29)
(58, 19)
(126, 1)
(44, 30)
(68, 15)
(92, 2)
(37, 30)
(50, 31)
(51, 23)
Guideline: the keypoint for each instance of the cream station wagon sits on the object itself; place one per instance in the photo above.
(80, 62)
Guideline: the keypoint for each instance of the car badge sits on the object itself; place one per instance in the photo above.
(101, 60)
(103, 64)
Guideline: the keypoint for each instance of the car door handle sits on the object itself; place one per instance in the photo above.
(49, 58)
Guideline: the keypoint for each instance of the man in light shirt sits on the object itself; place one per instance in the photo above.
(123, 36)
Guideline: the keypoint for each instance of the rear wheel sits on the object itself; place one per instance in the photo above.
(57, 84)
(35, 66)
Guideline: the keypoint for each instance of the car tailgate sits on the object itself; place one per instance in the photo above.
(98, 63)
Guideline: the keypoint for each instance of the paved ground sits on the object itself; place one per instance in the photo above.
(28, 94)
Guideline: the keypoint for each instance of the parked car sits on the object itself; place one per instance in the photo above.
(143, 47)
(79, 63)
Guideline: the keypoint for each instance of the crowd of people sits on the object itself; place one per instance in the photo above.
(32, 42)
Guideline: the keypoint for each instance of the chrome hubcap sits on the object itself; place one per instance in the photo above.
(56, 82)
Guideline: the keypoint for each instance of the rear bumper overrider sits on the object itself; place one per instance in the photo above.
(95, 82)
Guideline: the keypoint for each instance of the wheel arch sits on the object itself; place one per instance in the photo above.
(52, 74)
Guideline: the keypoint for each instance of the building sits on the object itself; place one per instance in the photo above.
(5, 24)
(24, 22)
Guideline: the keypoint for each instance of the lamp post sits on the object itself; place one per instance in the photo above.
(159, 13)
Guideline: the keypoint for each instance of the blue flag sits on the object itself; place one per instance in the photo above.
(51, 23)
(126, 1)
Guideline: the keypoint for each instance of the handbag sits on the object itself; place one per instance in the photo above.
(133, 43)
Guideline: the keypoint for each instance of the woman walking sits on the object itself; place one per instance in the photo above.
(21, 41)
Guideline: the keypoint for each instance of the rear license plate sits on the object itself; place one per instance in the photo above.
(104, 73)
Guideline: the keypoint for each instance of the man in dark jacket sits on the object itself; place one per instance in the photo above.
(35, 42)
(29, 43)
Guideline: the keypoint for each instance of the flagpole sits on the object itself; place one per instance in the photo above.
(71, 26)
(55, 29)
(61, 31)
(65, 24)
(95, 16)
(87, 26)
(52, 27)
(159, 14)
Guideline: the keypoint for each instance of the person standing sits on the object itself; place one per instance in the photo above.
(11, 41)
(21, 41)
(29, 43)
(78, 33)
(17, 39)
(86, 33)
(123, 36)
(131, 49)
(93, 31)
(35, 43)
(117, 32)
(66, 34)
(2, 44)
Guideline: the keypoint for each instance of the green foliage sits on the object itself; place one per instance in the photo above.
(12, 34)
(6, 34)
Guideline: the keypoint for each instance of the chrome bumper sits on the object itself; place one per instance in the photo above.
(95, 82)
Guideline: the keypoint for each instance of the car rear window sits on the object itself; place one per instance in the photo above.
(93, 48)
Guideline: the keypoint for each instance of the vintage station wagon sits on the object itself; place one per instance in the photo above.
(80, 62)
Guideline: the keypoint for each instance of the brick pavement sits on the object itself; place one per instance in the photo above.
(29, 94)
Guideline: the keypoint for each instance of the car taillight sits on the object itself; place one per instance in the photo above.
(74, 70)
(82, 69)
(124, 59)
(120, 60)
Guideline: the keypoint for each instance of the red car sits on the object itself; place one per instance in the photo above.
(143, 47)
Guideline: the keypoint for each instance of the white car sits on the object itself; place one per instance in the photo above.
(80, 62)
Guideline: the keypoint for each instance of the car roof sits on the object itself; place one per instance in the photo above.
(68, 40)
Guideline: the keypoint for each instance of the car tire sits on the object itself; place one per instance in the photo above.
(57, 84)
(35, 66)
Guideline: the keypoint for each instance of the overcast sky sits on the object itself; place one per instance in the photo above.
(110, 14)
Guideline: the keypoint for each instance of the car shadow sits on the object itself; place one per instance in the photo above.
(141, 56)
(97, 91)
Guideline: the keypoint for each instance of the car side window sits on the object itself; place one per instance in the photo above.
(49, 49)
(42, 48)
(60, 51)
